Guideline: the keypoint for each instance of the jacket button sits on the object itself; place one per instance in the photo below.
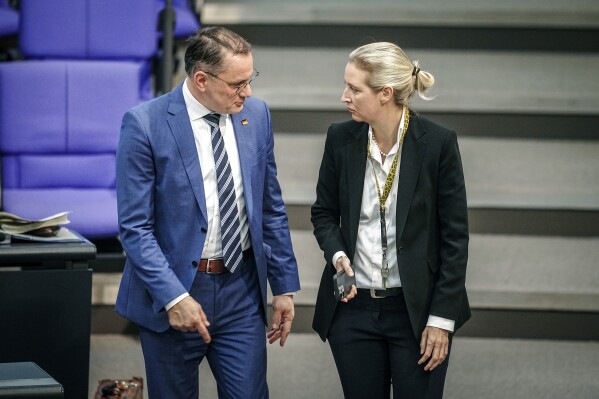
(203, 229)
(194, 263)
(400, 250)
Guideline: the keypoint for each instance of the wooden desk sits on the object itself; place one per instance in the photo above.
(45, 309)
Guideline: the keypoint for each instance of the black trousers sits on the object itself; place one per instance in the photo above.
(374, 348)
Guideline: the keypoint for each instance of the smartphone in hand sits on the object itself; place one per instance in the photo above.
(342, 283)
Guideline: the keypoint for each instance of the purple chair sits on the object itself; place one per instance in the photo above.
(88, 29)
(59, 127)
(186, 20)
(9, 19)
(91, 30)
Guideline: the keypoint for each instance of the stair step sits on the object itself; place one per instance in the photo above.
(461, 24)
(500, 173)
(466, 81)
(504, 272)
(457, 13)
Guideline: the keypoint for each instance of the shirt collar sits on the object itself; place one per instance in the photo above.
(195, 109)
(395, 148)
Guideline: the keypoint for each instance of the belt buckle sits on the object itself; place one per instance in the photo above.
(208, 271)
(374, 295)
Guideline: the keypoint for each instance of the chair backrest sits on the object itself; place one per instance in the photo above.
(9, 19)
(88, 29)
(59, 128)
(186, 19)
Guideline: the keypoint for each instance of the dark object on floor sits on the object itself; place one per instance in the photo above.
(120, 389)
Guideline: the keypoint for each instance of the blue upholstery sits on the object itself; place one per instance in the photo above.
(88, 61)
(9, 19)
(88, 29)
(186, 20)
(91, 30)
(59, 128)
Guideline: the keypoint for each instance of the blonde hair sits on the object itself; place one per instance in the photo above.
(388, 65)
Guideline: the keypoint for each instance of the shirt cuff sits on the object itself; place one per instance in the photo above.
(337, 256)
(440, 322)
(175, 301)
(290, 293)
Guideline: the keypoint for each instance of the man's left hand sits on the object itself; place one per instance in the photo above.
(434, 345)
(282, 318)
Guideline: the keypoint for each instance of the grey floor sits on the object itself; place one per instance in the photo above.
(480, 368)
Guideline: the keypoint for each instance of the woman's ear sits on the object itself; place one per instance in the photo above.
(386, 95)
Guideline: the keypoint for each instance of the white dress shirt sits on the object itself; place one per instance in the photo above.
(369, 254)
(203, 139)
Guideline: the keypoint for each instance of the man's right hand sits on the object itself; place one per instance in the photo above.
(343, 264)
(187, 315)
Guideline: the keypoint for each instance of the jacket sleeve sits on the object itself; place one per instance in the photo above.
(282, 270)
(326, 212)
(452, 217)
(135, 197)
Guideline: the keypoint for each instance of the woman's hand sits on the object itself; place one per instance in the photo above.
(434, 345)
(343, 264)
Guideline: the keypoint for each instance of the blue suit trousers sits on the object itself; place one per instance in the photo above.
(237, 352)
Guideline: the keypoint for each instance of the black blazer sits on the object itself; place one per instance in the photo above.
(432, 219)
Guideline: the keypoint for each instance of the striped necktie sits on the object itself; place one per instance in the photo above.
(229, 216)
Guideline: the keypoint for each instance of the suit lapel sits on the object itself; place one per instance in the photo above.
(356, 169)
(244, 142)
(178, 121)
(411, 160)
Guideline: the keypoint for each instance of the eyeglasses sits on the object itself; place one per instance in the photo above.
(237, 87)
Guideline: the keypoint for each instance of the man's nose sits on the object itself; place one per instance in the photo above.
(246, 91)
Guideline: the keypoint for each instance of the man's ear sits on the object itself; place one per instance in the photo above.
(199, 80)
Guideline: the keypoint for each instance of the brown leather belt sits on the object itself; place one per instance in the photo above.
(217, 265)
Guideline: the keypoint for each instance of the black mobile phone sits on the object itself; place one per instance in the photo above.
(342, 283)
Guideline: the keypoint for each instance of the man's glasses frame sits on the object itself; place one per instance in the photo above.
(238, 87)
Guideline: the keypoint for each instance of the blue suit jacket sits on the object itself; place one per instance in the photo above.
(162, 207)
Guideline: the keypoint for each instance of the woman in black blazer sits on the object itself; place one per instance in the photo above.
(391, 210)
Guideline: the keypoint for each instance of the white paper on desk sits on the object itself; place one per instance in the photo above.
(63, 235)
(15, 225)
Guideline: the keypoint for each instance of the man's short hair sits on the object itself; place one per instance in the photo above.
(206, 49)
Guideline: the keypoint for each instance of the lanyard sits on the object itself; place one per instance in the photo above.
(387, 189)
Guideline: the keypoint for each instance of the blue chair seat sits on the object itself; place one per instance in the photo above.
(92, 212)
(59, 129)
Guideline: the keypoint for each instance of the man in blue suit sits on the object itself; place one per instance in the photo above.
(204, 226)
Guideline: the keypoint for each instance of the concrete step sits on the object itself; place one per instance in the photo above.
(500, 173)
(477, 124)
(531, 272)
(311, 79)
(457, 13)
(504, 272)
(461, 24)
(468, 122)
(519, 286)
